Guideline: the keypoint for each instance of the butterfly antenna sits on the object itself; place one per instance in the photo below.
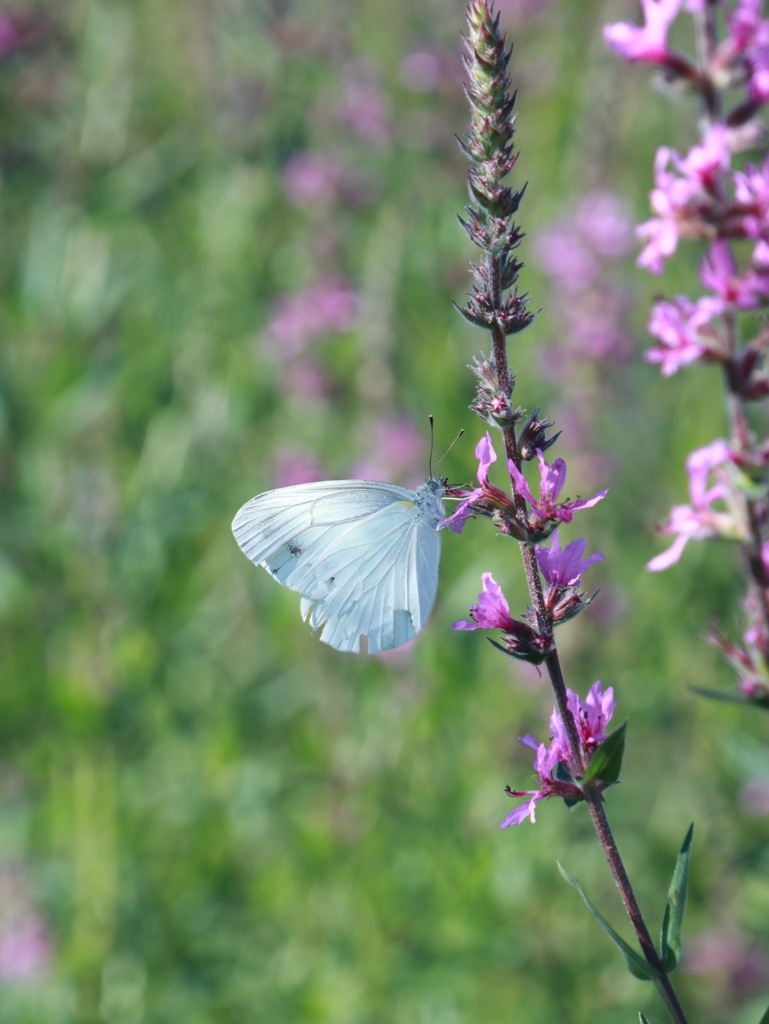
(440, 460)
(432, 445)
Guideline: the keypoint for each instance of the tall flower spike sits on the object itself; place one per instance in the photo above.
(489, 146)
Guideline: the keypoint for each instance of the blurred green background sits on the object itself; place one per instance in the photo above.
(229, 258)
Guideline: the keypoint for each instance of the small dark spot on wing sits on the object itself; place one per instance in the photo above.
(294, 549)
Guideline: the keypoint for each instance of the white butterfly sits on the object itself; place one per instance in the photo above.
(363, 555)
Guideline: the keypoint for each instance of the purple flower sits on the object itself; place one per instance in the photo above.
(699, 521)
(649, 43)
(682, 196)
(487, 493)
(552, 478)
(544, 763)
(564, 567)
(733, 291)
(751, 190)
(747, 47)
(591, 718)
(681, 328)
(492, 610)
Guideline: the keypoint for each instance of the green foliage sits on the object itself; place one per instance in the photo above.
(673, 919)
(636, 964)
(606, 762)
(215, 817)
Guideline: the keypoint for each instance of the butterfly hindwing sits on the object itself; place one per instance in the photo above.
(362, 555)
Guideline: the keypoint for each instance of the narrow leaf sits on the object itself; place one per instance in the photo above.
(636, 964)
(730, 697)
(606, 762)
(672, 922)
(643, 1019)
(765, 1018)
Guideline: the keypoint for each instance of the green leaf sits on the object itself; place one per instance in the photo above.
(672, 922)
(642, 1019)
(730, 696)
(765, 1018)
(636, 964)
(606, 762)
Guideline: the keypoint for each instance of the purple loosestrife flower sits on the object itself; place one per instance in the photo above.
(748, 662)
(699, 521)
(648, 44)
(733, 292)
(547, 509)
(682, 329)
(483, 500)
(565, 567)
(751, 191)
(493, 612)
(682, 197)
(591, 717)
(562, 571)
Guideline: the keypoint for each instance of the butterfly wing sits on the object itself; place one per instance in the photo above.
(363, 556)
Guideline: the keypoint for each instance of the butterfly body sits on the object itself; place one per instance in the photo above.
(363, 555)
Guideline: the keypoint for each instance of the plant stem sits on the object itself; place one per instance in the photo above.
(630, 903)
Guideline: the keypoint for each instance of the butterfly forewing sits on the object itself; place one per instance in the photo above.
(363, 555)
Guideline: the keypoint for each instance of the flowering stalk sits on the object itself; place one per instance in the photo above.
(582, 759)
(701, 196)
(489, 224)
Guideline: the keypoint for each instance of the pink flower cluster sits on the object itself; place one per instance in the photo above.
(591, 718)
(561, 568)
(700, 520)
(545, 511)
(701, 195)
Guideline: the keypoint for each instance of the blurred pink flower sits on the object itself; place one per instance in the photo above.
(698, 521)
(681, 328)
(727, 953)
(307, 381)
(396, 452)
(311, 178)
(576, 253)
(684, 189)
(293, 466)
(648, 43)
(301, 318)
(25, 947)
(754, 798)
(361, 107)
(421, 71)
(10, 35)
(25, 950)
